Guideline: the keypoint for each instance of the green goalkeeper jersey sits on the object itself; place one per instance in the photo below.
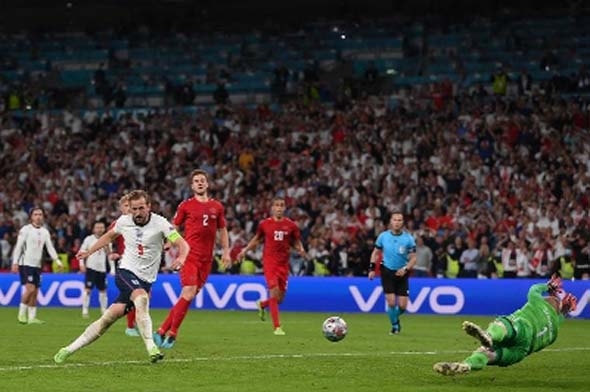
(538, 317)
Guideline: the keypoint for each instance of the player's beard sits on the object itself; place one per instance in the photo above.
(140, 220)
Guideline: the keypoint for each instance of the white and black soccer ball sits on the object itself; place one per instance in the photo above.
(334, 328)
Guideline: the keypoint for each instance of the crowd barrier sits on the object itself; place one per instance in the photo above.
(312, 294)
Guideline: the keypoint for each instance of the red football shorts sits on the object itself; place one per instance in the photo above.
(276, 277)
(195, 274)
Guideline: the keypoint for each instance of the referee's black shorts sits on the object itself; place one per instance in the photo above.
(393, 284)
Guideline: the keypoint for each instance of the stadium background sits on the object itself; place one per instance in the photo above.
(239, 15)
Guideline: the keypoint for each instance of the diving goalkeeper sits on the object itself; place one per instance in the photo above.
(510, 339)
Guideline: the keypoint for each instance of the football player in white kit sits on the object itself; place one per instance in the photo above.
(95, 269)
(26, 260)
(144, 233)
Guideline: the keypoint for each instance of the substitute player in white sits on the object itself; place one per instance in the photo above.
(26, 260)
(95, 268)
(144, 233)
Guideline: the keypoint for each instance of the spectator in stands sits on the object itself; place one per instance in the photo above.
(540, 262)
(280, 80)
(581, 251)
(509, 258)
(5, 250)
(564, 265)
(119, 95)
(500, 81)
(424, 258)
(524, 82)
(470, 260)
(187, 94)
(523, 258)
(100, 80)
(220, 95)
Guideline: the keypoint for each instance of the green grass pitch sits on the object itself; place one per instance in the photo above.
(235, 351)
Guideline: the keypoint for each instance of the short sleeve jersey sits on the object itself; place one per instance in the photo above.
(29, 246)
(396, 248)
(143, 244)
(119, 241)
(200, 220)
(98, 260)
(279, 236)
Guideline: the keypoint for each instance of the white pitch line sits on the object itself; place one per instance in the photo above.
(254, 357)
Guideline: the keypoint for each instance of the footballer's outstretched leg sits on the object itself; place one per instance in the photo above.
(451, 368)
(477, 332)
(155, 355)
(61, 355)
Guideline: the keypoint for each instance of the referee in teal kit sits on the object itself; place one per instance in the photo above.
(399, 256)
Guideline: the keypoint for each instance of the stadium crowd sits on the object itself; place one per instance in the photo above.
(476, 178)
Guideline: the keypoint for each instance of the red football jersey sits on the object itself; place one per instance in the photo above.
(201, 221)
(278, 236)
(119, 241)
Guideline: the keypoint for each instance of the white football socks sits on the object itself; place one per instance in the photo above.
(93, 331)
(22, 310)
(85, 302)
(32, 312)
(103, 300)
(143, 320)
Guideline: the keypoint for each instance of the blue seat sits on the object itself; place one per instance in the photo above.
(12, 75)
(203, 89)
(76, 78)
(142, 90)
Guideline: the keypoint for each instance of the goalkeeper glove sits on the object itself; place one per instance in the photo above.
(569, 303)
(554, 284)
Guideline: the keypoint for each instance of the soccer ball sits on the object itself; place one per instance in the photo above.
(334, 329)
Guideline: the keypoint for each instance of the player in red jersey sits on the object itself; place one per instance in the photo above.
(202, 218)
(279, 234)
(131, 329)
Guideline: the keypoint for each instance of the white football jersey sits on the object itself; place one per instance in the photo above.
(29, 246)
(98, 260)
(143, 245)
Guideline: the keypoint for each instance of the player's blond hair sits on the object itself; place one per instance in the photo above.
(124, 199)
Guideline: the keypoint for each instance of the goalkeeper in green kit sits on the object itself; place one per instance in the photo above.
(510, 339)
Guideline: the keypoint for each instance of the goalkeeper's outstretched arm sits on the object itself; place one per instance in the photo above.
(536, 292)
